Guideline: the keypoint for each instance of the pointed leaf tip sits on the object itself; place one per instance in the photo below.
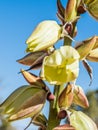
(89, 70)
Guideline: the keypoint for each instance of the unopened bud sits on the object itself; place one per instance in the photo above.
(46, 34)
(78, 119)
(92, 7)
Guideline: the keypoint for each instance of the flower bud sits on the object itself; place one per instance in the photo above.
(80, 121)
(92, 7)
(85, 47)
(80, 97)
(66, 97)
(61, 66)
(71, 10)
(26, 101)
(93, 55)
(46, 34)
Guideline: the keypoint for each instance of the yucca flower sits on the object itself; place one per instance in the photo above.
(46, 34)
(61, 66)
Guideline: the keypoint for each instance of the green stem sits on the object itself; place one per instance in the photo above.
(53, 120)
(67, 41)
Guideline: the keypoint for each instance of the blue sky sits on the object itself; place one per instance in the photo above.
(18, 18)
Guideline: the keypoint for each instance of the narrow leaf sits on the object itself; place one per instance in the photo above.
(61, 11)
(30, 58)
(89, 70)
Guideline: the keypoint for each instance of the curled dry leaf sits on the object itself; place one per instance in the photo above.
(34, 59)
(33, 79)
(89, 70)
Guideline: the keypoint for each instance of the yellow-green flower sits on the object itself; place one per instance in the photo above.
(81, 121)
(62, 66)
(46, 34)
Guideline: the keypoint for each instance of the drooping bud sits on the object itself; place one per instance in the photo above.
(61, 66)
(85, 47)
(80, 121)
(66, 97)
(92, 7)
(46, 34)
(80, 97)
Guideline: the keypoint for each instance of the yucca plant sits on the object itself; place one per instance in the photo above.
(60, 68)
